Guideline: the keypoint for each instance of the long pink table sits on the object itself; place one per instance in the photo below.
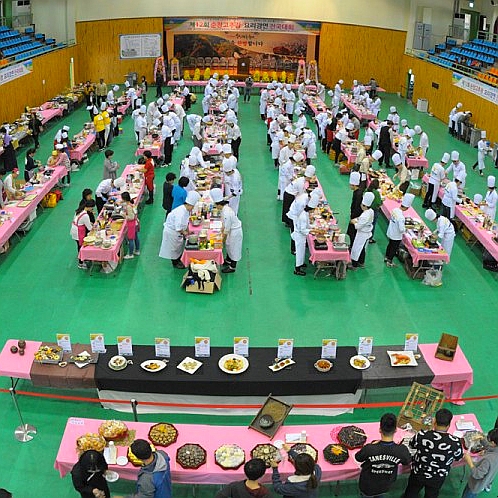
(239, 84)
(211, 437)
(156, 148)
(209, 254)
(417, 162)
(92, 253)
(316, 104)
(360, 114)
(78, 152)
(452, 377)
(48, 114)
(20, 214)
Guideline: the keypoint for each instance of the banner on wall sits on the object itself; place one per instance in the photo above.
(476, 87)
(242, 25)
(140, 46)
(16, 71)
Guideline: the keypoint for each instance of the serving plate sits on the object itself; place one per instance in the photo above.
(233, 364)
(359, 358)
(189, 365)
(153, 365)
(117, 363)
(402, 358)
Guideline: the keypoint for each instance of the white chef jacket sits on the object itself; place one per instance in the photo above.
(437, 174)
(110, 97)
(263, 101)
(233, 133)
(446, 232)
(104, 188)
(424, 142)
(301, 122)
(290, 97)
(482, 149)
(232, 227)
(363, 228)
(172, 242)
(450, 197)
(285, 154)
(285, 174)
(8, 184)
(451, 117)
(396, 227)
(459, 170)
(140, 124)
(490, 207)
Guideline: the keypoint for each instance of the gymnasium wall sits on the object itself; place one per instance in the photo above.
(360, 52)
(443, 99)
(97, 52)
(50, 76)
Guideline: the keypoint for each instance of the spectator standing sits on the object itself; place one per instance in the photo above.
(254, 469)
(101, 91)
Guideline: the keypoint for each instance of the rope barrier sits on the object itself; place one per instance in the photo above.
(81, 399)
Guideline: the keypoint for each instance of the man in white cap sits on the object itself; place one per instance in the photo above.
(232, 231)
(444, 230)
(110, 94)
(458, 167)
(285, 174)
(396, 229)
(301, 120)
(104, 188)
(295, 188)
(355, 208)
(141, 125)
(289, 98)
(234, 136)
(338, 89)
(401, 174)
(340, 138)
(263, 101)
(394, 117)
(62, 159)
(228, 157)
(490, 199)
(302, 229)
(176, 229)
(365, 165)
(482, 150)
(423, 141)
(363, 225)
(437, 175)
(451, 198)
(452, 119)
(233, 183)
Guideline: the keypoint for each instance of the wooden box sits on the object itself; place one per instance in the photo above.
(447, 347)
(467, 235)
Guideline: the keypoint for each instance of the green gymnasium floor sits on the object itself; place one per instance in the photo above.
(43, 292)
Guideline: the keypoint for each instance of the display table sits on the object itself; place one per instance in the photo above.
(238, 84)
(20, 214)
(155, 147)
(316, 104)
(211, 437)
(419, 162)
(361, 113)
(49, 114)
(78, 152)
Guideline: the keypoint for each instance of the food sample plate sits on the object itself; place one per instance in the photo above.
(402, 358)
(267, 453)
(229, 456)
(359, 362)
(118, 363)
(163, 434)
(49, 354)
(233, 364)
(84, 357)
(306, 448)
(272, 408)
(153, 365)
(352, 437)
(336, 454)
(189, 365)
(279, 365)
(191, 456)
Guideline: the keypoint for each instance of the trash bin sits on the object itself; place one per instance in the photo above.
(422, 105)
(132, 78)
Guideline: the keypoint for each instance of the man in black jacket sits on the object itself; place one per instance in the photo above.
(254, 469)
(385, 143)
(167, 192)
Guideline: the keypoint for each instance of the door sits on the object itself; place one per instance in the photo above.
(474, 22)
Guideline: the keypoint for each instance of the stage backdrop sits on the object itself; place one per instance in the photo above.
(235, 38)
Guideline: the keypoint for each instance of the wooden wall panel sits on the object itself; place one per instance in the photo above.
(30, 90)
(443, 99)
(359, 52)
(98, 49)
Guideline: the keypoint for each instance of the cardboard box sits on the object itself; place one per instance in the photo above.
(467, 235)
(208, 288)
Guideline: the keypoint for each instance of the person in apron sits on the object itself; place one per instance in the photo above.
(437, 175)
(363, 225)
(482, 150)
(81, 226)
(490, 199)
(444, 230)
(132, 226)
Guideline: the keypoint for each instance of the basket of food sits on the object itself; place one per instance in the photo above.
(90, 441)
(113, 429)
(229, 456)
(336, 454)
(191, 456)
(163, 434)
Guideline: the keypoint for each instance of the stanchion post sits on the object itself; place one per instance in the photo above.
(24, 432)
(134, 404)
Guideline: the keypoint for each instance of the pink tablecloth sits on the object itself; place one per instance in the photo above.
(362, 116)
(48, 114)
(417, 162)
(78, 152)
(316, 104)
(92, 253)
(211, 437)
(329, 255)
(452, 377)
(214, 254)
(20, 214)
(15, 365)
(239, 84)
(155, 149)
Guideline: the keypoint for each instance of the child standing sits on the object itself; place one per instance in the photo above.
(131, 226)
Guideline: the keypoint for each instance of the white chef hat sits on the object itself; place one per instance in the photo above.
(483, 134)
(445, 158)
(417, 129)
(59, 146)
(298, 132)
(231, 119)
(396, 159)
(430, 214)
(377, 154)
(392, 109)
(103, 106)
(491, 181)
(459, 105)
(354, 178)
(292, 139)
(477, 199)
(207, 119)
(307, 82)
(192, 160)
(298, 157)
(127, 84)
(216, 194)
(280, 135)
(331, 92)
(95, 110)
(368, 198)
(65, 128)
(119, 183)
(192, 198)
(313, 202)
(280, 118)
(350, 126)
(404, 122)
(143, 109)
(226, 77)
(226, 149)
(407, 200)
(341, 82)
(181, 83)
(160, 101)
(156, 122)
(411, 133)
(214, 94)
(115, 88)
(223, 107)
(455, 155)
(269, 86)
(288, 87)
(288, 128)
(229, 164)
(309, 172)
(317, 191)
(215, 76)
(278, 102)
(64, 134)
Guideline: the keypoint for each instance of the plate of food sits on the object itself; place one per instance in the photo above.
(323, 365)
(153, 365)
(233, 364)
(49, 354)
(189, 365)
(402, 359)
(359, 362)
(118, 362)
(281, 363)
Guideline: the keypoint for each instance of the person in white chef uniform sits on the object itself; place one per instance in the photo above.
(396, 229)
(301, 230)
(451, 198)
(437, 175)
(363, 225)
(233, 183)
(458, 167)
(482, 150)
(444, 230)
(175, 230)
(423, 141)
(232, 231)
(490, 199)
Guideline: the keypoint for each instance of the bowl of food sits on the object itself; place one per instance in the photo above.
(266, 421)
(323, 365)
(320, 238)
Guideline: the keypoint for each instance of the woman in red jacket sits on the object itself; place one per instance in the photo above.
(148, 169)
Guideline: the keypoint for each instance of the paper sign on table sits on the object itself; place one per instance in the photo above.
(241, 346)
(97, 342)
(329, 348)
(365, 346)
(202, 347)
(64, 342)
(125, 345)
(162, 347)
(411, 342)
(285, 347)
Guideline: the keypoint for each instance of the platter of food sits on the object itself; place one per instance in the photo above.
(270, 416)
(402, 358)
(229, 456)
(233, 364)
(336, 454)
(163, 434)
(267, 452)
(118, 362)
(352, 437)
(475, 441)
(191, 456)
(359, 362)
(113, 429)
(49, 354)
(153, 365)
(281, 364)
(306, 448)
(90, 441)
(189, 365)
(84, 357)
